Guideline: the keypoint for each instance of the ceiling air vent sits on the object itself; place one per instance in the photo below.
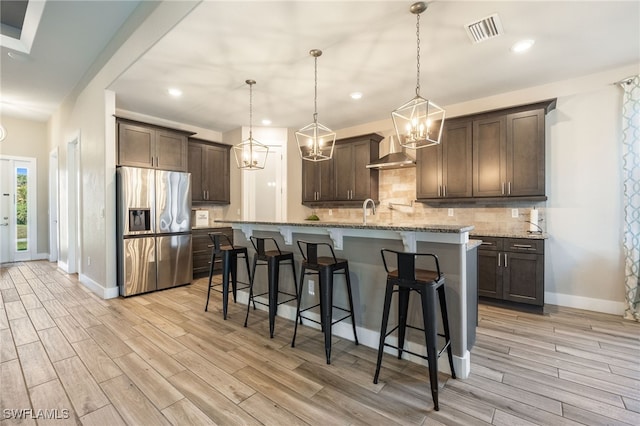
(484, 29)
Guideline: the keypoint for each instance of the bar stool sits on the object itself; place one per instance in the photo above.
(224, 248)
(408, 278)
(324, 267)
(271, 258)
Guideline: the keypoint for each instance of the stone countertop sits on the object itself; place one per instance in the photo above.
(454, 229)
(215, 225)
(509, 234)
(473, 244)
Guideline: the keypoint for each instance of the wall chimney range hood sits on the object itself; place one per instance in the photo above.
(395, 159)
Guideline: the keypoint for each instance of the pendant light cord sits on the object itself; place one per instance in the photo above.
(418, 54)
(315, 96)
(250, 112)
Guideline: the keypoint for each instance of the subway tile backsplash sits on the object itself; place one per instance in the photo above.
(397, 192)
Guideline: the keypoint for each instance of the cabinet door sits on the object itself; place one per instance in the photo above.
(326, 188)
(135, 145)
(196, 156)
(310, 181)
(343, 163)
(489, 157)
(428, 171)
(525, 153)
(216, 179)
(489, 274)
(456, 160)
(523, 278)
(170, 151)
(365, 181)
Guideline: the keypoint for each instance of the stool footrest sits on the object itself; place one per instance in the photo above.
(293, 297)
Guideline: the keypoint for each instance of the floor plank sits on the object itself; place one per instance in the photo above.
(160, 359)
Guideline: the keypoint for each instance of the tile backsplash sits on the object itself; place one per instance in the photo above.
(397, 193)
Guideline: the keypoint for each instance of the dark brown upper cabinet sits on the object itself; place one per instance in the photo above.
(143, 145)
(345, 179)
(491, 156)
(444, 171)
(209, 167)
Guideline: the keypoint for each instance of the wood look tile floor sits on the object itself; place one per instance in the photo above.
(159, 359)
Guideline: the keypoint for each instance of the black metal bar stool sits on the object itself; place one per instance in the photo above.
(271, 258)
(324, 267)
(425, 282)
(224, 248)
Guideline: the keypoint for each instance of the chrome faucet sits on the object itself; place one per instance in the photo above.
(364, 209)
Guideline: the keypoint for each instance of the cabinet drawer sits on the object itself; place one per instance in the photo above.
(490, 243)
(524, 245)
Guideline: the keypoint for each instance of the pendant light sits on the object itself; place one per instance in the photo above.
(251, 154)
(315, 141)
(419, 122)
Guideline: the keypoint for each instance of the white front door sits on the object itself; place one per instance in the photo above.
(18, 226)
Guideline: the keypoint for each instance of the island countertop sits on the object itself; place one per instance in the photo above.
(416, 227)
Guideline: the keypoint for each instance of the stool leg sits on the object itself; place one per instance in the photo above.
(213, 260)
(326, 305)
(445, 326)
(246, 262)
(295, 280)
(255, 262)
(350, 294)
(383, 328)
(298, 317)
(226, 271)
(403, 307)
(274, 272)
(430, 332)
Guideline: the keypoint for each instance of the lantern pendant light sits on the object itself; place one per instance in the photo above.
(251, 154)
(419, 122)
(315, 141)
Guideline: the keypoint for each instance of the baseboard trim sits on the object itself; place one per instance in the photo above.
(105, 293)
(586, 303)
(63, 265)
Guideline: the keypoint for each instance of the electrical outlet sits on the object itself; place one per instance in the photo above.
(330, 212)
(312, 287)
(514, 212)
(88, 260)
(450, 212)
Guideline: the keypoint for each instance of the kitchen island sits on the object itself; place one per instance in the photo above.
(360, 245)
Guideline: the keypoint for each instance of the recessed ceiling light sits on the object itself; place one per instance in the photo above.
(266, 122)
(356, 95)
(176, 93)
(522, 46)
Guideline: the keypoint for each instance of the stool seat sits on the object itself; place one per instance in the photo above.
(273, 259)
(223, 248)
(325, 267)
(429, 284)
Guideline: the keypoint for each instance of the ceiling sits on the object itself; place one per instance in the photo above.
(368, 46)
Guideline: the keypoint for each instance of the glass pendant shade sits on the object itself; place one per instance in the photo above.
(418, 123)
(251, 154)
(316, 141)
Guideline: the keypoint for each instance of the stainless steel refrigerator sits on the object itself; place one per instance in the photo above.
(154, 229)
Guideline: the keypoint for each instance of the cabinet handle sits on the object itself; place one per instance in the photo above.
(486, 244)
(506, 265)
(439, 190)
(444, 190)
(526, 246)
(499, 260)
(509, 188)
(502, 188)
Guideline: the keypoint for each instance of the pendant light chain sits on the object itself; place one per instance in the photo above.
(418, 54)
(315, 96)
(250, 111)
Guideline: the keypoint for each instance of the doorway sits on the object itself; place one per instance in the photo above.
(18, 220)
(263, 189)
(53, 206)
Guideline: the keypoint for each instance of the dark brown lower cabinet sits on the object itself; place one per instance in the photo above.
(202, 250)
(511, 270)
